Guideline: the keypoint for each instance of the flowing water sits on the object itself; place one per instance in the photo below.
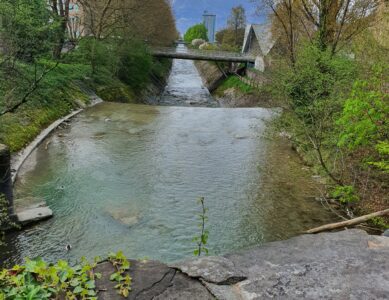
(128, 177)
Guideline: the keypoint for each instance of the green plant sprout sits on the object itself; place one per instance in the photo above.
(202, 240)
(121, 265)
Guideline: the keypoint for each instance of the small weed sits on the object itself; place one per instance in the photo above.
(202, 239)
(121, 265)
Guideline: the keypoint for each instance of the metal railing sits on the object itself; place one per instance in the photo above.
(209, 54)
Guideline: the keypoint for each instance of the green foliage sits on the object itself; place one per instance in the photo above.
(317, 76)
(19, 128)
(345, 194)
(202, 239)
(234, 82)
(230, 40)
(363, 122)
(121, 265)
(38, 280)
(27, 28)
(364, 114)
(5, 220)
(198, 31)
(135, 65)
(380, 222)
(383, 152)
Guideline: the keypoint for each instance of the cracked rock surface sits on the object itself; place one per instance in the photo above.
(151, 280)
(212, 269)
(345, 265)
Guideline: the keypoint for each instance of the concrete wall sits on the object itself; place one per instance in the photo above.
(5, 176)
(211, 75)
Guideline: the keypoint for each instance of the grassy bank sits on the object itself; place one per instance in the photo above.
(236, 93)
(61, 91)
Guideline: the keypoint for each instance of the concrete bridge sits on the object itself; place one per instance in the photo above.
(210, 55)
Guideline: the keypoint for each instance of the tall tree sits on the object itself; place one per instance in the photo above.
(331, 24)
(26, 33)
(338, 21)
(237, 20)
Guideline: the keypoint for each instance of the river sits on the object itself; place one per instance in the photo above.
(124, 176)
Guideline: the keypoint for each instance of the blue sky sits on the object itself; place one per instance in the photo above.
(189, 12)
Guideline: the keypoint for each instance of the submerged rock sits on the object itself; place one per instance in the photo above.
(129, 218)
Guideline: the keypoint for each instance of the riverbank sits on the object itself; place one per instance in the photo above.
(68, 88)
(236, 91)
(229, 90)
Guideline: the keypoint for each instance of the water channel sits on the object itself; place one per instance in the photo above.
(128, 177)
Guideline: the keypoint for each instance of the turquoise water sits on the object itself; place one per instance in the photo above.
(128, 177)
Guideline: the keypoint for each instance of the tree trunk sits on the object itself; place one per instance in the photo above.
(351, 222)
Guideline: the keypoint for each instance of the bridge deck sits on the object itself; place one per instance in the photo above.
(194, 54)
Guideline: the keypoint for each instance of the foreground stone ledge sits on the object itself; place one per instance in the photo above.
(345, 265)
(34, 215)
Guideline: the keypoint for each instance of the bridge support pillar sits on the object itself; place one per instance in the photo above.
(6, 188)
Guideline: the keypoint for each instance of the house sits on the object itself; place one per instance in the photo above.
(259, 42)
(76, 21)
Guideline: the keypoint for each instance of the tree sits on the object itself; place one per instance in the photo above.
(328, 23)
(198, 31)
(237, 21)
(27, 32)
(227, 38)
(153, 22)
(338, 21)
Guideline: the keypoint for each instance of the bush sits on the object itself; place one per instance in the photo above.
(317, 75)
(345, 194)
(364, 113)
(26, 28)
(197, 43)
(198, 31)
(135, 65)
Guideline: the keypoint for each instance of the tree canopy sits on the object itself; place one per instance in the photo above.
(198, 31)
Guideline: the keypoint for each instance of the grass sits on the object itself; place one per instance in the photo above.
(234, 82)
(57, 95)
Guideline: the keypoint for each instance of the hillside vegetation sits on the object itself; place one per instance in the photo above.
(331, 75)
(45, 65)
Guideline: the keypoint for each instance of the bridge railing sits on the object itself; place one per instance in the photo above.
(199, 52)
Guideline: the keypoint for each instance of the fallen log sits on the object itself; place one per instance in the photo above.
(351, 222)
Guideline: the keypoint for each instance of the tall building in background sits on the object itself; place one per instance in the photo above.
(210, 23)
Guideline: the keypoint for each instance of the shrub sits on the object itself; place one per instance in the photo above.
(198, 42)
(198, 31)
(364, 113)
(345, 194)
(135, 65)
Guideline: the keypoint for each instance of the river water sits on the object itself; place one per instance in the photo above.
(128, 177)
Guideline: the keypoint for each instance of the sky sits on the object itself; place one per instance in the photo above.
(189, 12)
